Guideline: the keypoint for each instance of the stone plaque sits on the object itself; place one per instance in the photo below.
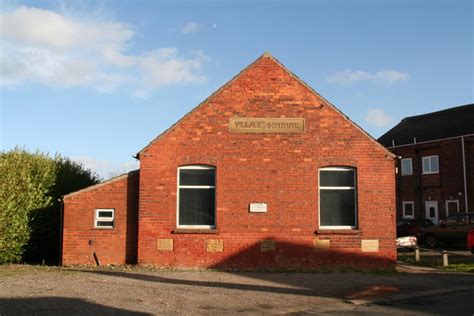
(258, 207)
(321, 244)
(164, 244)
(214, 245)
(370, 245)
(266, 125)
(268, 245)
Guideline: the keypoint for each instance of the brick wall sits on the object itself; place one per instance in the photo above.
(112, 246)
(448, 184)
(469, 150)
(279, 169)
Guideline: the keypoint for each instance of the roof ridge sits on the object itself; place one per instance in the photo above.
(439, 111)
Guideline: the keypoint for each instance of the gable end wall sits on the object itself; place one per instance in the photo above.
(278, 169)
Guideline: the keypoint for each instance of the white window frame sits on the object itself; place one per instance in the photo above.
(98, 218)
(338, 188)
(411, 167)
(195, 167)
(452, 201)
(427, 160)
(412, 209)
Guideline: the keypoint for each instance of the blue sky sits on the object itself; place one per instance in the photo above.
(97, 80)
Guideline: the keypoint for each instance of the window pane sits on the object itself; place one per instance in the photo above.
(406, 167)
(105, 214)
(196, 206)
(434, 164)
(330, 178)
(197, 176)
(426, 165)
(432, 211)
(105, 223)
(337, 208)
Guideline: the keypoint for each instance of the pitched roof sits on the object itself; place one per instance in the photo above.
(95, 186)
(266, 55)
(447, 123)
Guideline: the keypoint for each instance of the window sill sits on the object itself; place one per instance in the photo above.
(103, 228)
(338, 232)
(194, 231)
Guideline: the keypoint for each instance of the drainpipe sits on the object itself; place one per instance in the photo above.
(399, 202)
(464, 170)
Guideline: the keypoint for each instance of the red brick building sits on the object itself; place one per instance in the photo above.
(436, 163)
(265, 173)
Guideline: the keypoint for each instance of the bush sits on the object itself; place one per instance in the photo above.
(31, 185)
(25, 183)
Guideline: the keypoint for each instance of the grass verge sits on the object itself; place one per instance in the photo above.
(456, 263)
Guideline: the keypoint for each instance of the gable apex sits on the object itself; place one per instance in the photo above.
(267, 55)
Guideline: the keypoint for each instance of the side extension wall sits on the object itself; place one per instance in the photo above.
(111, 246)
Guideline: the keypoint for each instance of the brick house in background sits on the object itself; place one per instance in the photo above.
(436, 166)
(265, 173)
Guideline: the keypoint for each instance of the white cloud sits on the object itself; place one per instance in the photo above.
(106, 169)
(378, 118)
(350, 76)
(190, 27)
(43, 46)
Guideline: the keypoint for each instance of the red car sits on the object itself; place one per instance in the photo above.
(470, 241)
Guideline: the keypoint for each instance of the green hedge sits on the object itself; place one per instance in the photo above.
(31, 185)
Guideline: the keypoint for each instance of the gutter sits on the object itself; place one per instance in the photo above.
(426, 142)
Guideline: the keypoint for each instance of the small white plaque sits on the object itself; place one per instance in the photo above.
(258, 208)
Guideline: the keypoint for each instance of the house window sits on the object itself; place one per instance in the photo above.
(452, 207)
(408, 209)
(104, 218)
(407, 168)
(430, 164)
(196, 197)
(337, 198)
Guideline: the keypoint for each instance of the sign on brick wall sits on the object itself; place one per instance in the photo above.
(266, 125)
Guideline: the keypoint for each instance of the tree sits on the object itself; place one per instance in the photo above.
(31, 185)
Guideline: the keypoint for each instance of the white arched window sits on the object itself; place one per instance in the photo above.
(196, 197)
(337, 198)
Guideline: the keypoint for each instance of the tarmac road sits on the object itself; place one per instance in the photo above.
(457, 303)
(28, 290)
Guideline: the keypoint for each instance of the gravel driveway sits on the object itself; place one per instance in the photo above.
(144, 291)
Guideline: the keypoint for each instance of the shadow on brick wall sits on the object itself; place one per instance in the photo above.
(273, 254)
(131, 242)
